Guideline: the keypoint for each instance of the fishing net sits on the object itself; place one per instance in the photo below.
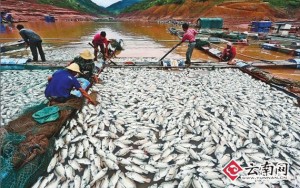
(27, 146)
(117, 44)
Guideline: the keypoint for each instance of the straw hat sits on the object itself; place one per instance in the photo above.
(74, 67)
(229, 43)
(86, 54)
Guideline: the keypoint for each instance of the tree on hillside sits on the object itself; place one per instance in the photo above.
(293, 6)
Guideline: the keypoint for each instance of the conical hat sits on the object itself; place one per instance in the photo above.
(74, 67)
(86, 54)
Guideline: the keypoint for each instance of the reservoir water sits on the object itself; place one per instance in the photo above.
(141, 39)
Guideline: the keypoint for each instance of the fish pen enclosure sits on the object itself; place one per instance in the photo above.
(155, 128)
(210, 23)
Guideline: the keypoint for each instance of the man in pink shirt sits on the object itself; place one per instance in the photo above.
(189, 35)
(100, 40)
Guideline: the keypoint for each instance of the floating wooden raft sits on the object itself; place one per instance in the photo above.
(282, 49)
(292, 63)
(12, 46)
(278, 83)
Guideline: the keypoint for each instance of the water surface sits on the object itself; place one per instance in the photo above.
(142, 39)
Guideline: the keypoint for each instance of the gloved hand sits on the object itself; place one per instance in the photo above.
(92, 102)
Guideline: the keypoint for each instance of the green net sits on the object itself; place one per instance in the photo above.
(27, 147)
(28, 174)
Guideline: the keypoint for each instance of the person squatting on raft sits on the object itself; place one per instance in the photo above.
(62, 82)
(189, 35)
(229, 53)
(85, 60)
(100, 40)
(32, 40)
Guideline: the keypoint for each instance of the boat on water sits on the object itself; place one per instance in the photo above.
(173, 30)
(295, 45)
(9, 46)
(213, 52)
(281, 48)
(206, 48)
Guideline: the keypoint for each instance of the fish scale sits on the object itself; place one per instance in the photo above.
(164, 101)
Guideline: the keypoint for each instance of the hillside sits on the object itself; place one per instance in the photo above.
(86, 6)
(233, 12)
(21, 12)
(121, 5)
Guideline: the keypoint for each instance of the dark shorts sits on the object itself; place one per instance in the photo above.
(61, 99)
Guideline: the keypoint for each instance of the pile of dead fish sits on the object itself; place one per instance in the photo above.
(176, 129)
(21, 90)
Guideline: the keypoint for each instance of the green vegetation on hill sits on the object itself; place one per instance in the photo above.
(121, 5)
(150, 3)
(86, 6)
(291, 4)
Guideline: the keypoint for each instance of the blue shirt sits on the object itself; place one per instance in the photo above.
(30, 36)
(61, 84)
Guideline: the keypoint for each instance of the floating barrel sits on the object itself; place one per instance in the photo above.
(297, 61)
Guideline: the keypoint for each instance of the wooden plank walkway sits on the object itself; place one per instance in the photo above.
(197, 64)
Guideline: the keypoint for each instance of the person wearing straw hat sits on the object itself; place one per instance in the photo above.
(62, 82)
(86, 65)
(229, 53)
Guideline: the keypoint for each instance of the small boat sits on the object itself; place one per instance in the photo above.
(279, 48)
(205, 47)
(173, 30)
(213, 52)
(295, 45)
(12, 46)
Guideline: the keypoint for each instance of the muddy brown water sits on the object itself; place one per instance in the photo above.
(142, 39)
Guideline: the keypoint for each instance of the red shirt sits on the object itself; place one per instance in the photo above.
(189, 35)
(98, 39)
(231, 52)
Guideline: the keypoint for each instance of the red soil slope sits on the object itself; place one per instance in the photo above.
(238, 12)
(30, 11)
